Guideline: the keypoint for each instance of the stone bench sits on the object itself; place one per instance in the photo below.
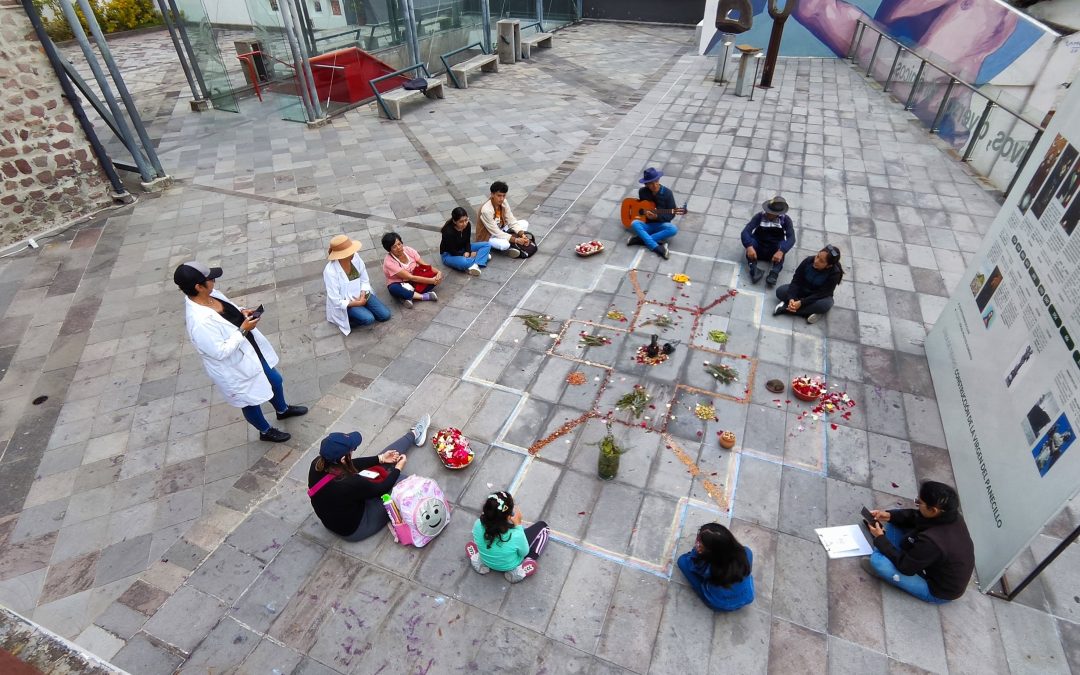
(488, 63)
(542, 40)
(393, 99)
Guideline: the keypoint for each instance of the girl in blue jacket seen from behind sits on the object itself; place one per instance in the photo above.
(718, 568)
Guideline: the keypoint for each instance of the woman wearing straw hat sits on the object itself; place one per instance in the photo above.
(349, 298)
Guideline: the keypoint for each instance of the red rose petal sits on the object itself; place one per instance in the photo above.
(834, 427)
(894, 485)
(581, 513)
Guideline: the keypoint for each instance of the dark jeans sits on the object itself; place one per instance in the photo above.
(537, 536)
(786, 292)
(765, 251)
(374, 517)
(402, 293)
(253, 413)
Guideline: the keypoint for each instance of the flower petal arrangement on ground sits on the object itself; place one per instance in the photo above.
(588, 248)
(452, 448)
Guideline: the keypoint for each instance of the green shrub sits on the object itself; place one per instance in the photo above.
(112, 16)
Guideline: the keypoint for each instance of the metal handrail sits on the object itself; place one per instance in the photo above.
(536, 24)
(914, 52)
(396, 73)
(446, 64)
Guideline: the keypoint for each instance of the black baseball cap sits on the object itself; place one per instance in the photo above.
(192, 273)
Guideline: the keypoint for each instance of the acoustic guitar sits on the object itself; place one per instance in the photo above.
(634, 209)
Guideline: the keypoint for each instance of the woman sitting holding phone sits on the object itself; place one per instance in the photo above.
(349, 298)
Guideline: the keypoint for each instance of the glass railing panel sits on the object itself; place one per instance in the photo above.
(443, 26)
(205, 43)
(559, 13)
(998, 147)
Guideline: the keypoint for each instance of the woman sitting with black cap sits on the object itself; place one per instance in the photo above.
(810, 292)
(237, 357)
(346, 491)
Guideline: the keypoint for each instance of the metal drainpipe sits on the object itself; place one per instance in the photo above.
(195, 69)
(290, 36)
(485, 24)
(76, 105)
(409, 19)
(540, 13)
(305, 61)
(106, 91)
(121, 86)
(166, 15)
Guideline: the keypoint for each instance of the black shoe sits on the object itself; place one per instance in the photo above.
(770, 280)
(662, 251)
(274, 436)
(292, 411)
(634, 240)
(780, 308)
(755, 275)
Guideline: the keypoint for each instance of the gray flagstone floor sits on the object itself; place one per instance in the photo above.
(141, 517)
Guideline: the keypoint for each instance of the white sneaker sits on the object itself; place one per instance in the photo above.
(779, 309)
(474, 270)
(407, 303)
(513, 253)
(526, 569)
(473, 553)
(419, 430)
(813, 318)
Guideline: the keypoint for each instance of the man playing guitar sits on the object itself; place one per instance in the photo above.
(656, 228)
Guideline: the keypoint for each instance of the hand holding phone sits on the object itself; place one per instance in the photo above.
(867, 516)
(257, 312)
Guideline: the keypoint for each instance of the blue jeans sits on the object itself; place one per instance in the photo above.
(253, 413)
(369, 313)
(785, 292)
(912, 584)
(482, 249)
(653, 234)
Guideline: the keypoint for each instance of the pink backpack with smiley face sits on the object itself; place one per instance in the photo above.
(422, 511)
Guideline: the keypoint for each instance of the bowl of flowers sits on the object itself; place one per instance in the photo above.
(807, 388)
(452, 448)
(588, 248)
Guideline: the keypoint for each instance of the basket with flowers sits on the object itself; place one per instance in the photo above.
(807, 388)
(588, 248)
(452, 448)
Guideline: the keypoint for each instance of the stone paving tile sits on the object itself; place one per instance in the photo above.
(137, 464)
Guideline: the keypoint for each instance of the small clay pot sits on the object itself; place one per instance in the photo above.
(727, 440)
(775, 386)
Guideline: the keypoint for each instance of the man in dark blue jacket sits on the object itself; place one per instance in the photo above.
(769, 235)
(657, 226)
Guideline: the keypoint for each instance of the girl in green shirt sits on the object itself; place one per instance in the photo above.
(500, 542)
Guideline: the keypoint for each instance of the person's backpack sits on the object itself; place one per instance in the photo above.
(422, 508)
(529, 249)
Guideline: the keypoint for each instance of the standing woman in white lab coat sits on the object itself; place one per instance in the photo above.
(349, 298)
(237, 357)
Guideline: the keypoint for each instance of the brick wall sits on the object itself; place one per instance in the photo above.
(48, 173)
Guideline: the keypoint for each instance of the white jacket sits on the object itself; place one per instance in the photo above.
(230, 360)
(340, 291)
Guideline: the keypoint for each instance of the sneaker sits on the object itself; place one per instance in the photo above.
(513, 253)
(407, 303)
(474, 270)
(273, 435)
(419, 430)
(292, 411)
(779, 309)
(813, 318)
(527, 568)
(770, 280)
(755, 275)
(864, 563)
(662, 251)
(634, 240)
(430, 297)
(474, 558)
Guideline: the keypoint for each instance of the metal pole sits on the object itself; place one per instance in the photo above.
(851, 42)
(298, 68)
(721, 61)
(1024, 161)
(118, 80)
(106, 90)
(306, 28)
(76, 105)
(915, 85)
(873, 56)
(305, 63)
(91, 98)
(171, 27)
(540, 13)
(485, 24)
(858, 41)
(195, 68)
(410, 31)
(976, 133)
(892, 68)
(757, 66)
(941, 109)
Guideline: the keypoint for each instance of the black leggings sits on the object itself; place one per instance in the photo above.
(374, 517)
(537, 536)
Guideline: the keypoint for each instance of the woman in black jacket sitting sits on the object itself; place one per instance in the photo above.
(811, 289)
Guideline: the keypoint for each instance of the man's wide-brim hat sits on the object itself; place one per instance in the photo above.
(777, 205)
(342, 247)
(651, 175)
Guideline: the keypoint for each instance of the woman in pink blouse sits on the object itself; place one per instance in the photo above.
(408, 277)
